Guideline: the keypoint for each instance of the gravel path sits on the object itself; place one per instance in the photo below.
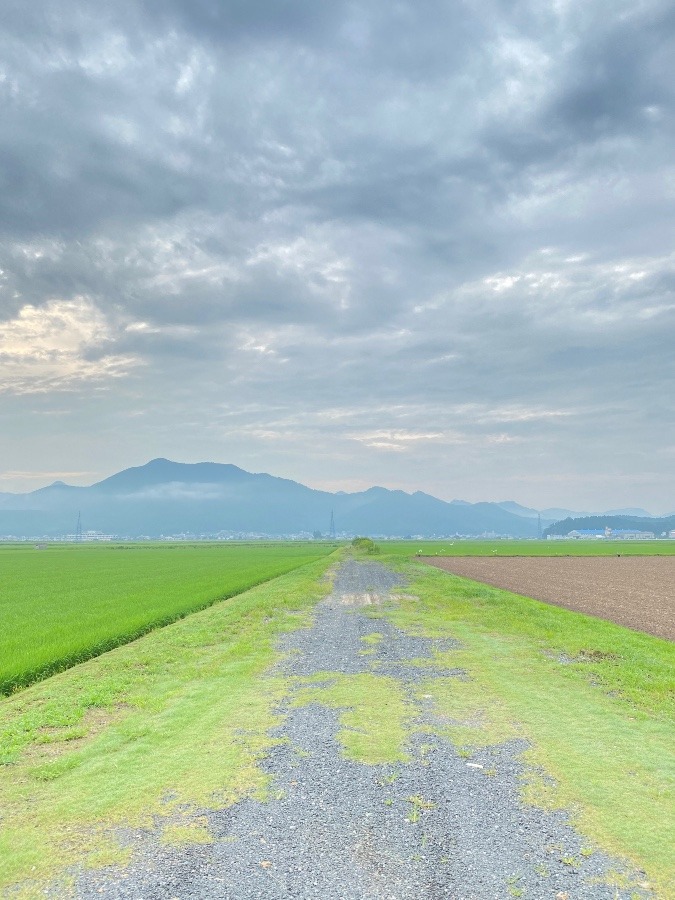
(341, 830)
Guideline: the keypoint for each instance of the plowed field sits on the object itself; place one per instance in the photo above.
(636, 591)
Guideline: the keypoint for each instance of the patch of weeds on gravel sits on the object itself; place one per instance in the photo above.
(375, 637)
(626, 880)
(512, 886)
(418, 806)
(375, 715)
(181, 835)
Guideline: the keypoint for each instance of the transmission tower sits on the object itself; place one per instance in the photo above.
(78, 530)
(332, 526)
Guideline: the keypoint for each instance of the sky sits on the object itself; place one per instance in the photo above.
(425, 245)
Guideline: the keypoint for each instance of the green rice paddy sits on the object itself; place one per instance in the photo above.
(62, 605)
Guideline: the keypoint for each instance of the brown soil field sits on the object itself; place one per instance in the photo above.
(635, 591)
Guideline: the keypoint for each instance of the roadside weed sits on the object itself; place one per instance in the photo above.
(512, 886)
(418, 806)
(388, 779)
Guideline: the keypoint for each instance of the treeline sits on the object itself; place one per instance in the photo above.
(627, 523)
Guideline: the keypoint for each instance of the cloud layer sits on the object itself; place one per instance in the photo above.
(417, 244)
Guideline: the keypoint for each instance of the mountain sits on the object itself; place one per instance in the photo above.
(165, 498)
(635, 513)
(547, 515)
(518, 510)
(555, 514)
(164, 471)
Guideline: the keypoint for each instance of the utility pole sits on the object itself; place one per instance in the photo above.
(332, 526)
(539, 525)
(78, 530)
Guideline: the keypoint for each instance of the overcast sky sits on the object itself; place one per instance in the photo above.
(427, 245)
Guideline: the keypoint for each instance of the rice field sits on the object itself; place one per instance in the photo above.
(62, 605)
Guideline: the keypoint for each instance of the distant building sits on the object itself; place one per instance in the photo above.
(611, 534)
(89, 536)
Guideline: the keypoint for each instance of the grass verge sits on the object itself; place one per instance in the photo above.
(173, 721)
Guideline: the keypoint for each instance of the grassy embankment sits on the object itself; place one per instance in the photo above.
(62, 605)
(594, 701)
(170, 723)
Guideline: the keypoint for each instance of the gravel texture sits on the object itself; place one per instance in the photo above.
(342, 830)
(635, 591)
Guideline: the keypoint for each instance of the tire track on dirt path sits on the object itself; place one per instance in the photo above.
(429, 824)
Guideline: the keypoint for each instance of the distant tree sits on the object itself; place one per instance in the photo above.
(365, 545)
(629, 523)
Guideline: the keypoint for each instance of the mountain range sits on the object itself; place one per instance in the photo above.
(170, 498)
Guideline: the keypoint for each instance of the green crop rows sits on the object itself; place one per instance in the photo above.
(62, 605)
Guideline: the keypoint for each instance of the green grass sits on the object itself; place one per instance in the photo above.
(62, 605)
(146, 735)
(375, 714)
(454, 547)
(593, 699)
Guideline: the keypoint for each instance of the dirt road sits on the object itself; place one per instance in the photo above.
(430, 826)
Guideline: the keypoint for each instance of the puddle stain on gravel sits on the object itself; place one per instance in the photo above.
(352, 816)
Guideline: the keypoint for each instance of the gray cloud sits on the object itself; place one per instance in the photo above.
(421, 244)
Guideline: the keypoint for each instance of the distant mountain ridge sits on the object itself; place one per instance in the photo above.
(555, 513)
(164, 497)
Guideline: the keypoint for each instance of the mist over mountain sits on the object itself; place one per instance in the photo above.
(166, 498)
(170, 498)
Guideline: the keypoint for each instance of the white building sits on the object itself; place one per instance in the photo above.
(611, 534)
